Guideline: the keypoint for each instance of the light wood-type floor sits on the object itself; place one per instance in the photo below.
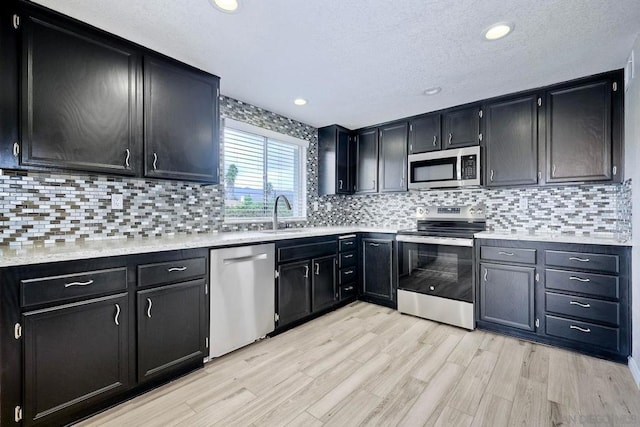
(369, 365)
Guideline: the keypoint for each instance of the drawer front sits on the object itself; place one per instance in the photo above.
(347, 259)
(583, 261)
(173, 271)
(348, 244)
(347, 275)
(348, 291)
(311, 250)
(583, 332)
(586, 283)
(70, 286)
(585, 308)
(524, 256)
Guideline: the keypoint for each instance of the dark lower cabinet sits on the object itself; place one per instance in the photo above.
(75, 355)
(507, 295)
(379, 281)
(171, 327)
(323, 286)
(294, 291)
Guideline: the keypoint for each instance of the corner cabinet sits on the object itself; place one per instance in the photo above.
(379, 269)
(336, 161)
(181, 122)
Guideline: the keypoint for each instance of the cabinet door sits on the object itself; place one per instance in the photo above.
(424, 134)
(171, 328)
(393, 158)
(324, 283)
(377, 271)
(367, 161)
(294, 291)
(461, 127)
(578, 133)
(79, 92)
(181, 122)
(511, 132)
(75, 355)
(343, 162)
(507, 295)
(335, 161)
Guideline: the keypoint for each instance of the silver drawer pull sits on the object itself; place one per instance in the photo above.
(580, 329)
(149, 308)
(506, 253)
(350, 288)
(574, 258)
(580, 304)
(485, 274)
(349, 256)
(87, 283)
(126, 160)
(348, 243)
(374, 244)
(579, 279)
(172, 269)
(348, 272)
(435, 138)
(117, 318)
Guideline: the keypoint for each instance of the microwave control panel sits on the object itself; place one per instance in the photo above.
(468, 165)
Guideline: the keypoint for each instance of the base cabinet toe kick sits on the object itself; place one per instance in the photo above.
(568, 295)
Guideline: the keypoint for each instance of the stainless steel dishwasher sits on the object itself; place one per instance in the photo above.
(242, 296)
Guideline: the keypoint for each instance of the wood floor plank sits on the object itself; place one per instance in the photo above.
(562, 386)
(337, 356)
(352, 410)
(396, 403)
(466, 348)
(221, 409)
(530, 405)
(304, 419)
(493, 411)
(452, 417)
(493, 342)
(468, 392)
(535, 364)
(504, 381)
(436, 359)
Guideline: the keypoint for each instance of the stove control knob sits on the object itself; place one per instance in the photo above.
(420, 211)
(472, 211)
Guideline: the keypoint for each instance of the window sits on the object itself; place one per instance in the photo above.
(258, 166)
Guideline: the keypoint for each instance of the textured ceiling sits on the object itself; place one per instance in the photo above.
(362, 62)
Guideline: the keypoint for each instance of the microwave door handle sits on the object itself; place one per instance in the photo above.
(459, 167)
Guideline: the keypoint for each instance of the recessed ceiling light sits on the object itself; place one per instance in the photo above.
(498, 31)
(300, 101)
(227, 6)
(432, 90)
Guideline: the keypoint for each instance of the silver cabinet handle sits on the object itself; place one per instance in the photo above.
(450, 138)
(580, 329)
(485, 274)
(553, 171)
(506, 253)
(16, 149)
(574, 258)
(374, 244)
(149, 308)
(349, 256)
(346, 273)
(155, 161)
(435, 138)
(349, 288)
(579, 304)
(317, 268)
(491, 177)
(117, 318)
(374, 184)
(348, 243)
(340, 184)
(126, 160)
(401, 182)
(306, 271)
(172, 269)
(87, 283)
(579, 279)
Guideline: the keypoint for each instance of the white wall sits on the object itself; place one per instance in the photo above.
(632, 170)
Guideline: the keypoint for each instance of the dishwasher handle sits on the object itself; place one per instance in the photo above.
(249, 258)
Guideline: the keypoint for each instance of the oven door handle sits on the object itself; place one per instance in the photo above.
(428, 240)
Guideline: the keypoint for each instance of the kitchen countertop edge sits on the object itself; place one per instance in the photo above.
(554, 238)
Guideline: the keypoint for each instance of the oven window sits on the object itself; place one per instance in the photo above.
(433, 170)
(439, 270)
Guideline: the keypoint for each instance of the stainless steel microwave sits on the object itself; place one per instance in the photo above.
(458, 167)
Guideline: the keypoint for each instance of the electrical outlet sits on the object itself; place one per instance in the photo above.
(524, 203)
(329, 206)
(117, 201)
(315, 206)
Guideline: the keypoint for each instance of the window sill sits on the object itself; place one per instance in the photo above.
(262, 220)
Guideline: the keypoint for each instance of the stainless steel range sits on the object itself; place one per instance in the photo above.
(435, 264)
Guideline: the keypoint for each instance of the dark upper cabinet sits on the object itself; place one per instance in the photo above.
(511, 141)
(336, 161)
(377, 270)
(181, 122)
(294, 291)
(79, 92)
(171, 328)
(424, 133)
(461, 127)
(367, 161)
(579, 128)
(392, 162)
(323, 286)
(9, 92)
(75, 356)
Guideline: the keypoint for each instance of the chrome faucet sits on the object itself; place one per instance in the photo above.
(275, 209)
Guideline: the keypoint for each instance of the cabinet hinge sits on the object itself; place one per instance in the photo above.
(16, 149)
(16, 21)
(480, 113)
(539, 102)
(277, 274)
(206, 342)
(17, 331)
(17, 414)
(276, 316)
(537, 323)
(614, 170)
(615, 86)
(480, 137)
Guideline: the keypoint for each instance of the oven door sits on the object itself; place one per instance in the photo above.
(443, 269)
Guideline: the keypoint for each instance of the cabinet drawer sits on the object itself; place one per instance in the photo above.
(583, 261)
(586, 283)
(173, 271)
(348, 244)
(347, 275)
(524, 256)
(584, 308)
(583, 332)
(311, 250)
(70, 286)
(348, 291)
(347, 259)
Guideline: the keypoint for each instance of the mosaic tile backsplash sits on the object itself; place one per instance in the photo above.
(41, 207)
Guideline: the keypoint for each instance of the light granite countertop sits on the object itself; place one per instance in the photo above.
(591, 239)
(28, 255)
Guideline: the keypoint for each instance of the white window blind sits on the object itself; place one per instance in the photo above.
(259, 167)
